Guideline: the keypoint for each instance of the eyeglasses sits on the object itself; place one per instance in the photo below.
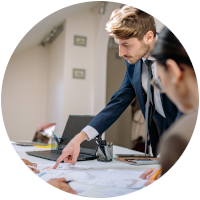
(155, 82)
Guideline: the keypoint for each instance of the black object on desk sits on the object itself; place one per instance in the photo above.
(69, 181)
(104, 150)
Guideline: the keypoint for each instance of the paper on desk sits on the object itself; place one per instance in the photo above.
(47, 175)
(78, 176)
(114, 192)
(80, 189)
(61, 166)
(121, 179)
(125, 172)
(99, 177)
(73, 167)
(82, 176)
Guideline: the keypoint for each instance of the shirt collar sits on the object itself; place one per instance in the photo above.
(149, 58)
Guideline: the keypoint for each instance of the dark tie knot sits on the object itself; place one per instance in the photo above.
(149, 63)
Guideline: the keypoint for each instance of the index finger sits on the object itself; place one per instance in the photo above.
(75, 156)
(59, 160)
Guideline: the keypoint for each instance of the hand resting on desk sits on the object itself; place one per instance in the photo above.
(149, 174)
(32, 164)
(71, 151)
(60, 184)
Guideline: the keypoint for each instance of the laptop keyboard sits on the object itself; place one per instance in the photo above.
(56, 151)
(60, 152)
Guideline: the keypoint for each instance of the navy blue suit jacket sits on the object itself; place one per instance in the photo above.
(132, 87)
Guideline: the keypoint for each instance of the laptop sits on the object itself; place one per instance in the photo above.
(74, 125)
(42, 135)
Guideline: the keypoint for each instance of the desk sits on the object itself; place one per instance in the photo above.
(100, 165)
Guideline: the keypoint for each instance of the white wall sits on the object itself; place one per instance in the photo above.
(159, 25)
(66, 95)
(55, 81)
(24, 93)
(78, 92)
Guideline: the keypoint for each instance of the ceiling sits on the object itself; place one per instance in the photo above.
(44, 27)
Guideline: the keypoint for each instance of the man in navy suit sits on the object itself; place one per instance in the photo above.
(135, 33)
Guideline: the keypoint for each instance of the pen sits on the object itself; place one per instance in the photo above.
(69, 181)
(156, 174)
(55, 138)
(58, 135)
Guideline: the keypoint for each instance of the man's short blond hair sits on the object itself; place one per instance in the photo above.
(128, 22)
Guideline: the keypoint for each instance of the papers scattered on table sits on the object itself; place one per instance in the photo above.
(47, 172)
(62, 166)
(47, 175)
(118, 182)
(72, 167)
(114, 192)
(82, 176)
(80, 189)
(120, 178)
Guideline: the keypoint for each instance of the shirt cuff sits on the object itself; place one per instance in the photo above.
(91, 132)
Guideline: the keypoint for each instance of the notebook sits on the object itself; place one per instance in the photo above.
(73, 126)
(41, 136)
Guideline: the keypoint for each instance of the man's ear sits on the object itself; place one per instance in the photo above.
(148, 37)
(174, 70)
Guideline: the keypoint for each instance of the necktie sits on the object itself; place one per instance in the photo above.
(150, 106)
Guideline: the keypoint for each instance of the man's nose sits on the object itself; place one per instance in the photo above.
(122, 51)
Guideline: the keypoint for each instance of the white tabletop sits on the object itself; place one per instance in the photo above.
(100, 165)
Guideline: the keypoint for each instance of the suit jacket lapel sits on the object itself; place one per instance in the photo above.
(135, 78)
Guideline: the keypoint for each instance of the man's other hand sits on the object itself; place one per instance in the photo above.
(148, 173)
(60, 184)
(71, 151)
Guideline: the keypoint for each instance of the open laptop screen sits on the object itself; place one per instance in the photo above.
(74, 125)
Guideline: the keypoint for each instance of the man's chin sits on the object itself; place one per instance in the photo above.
(132, 62)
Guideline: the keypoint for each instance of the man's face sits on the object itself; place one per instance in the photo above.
(132, 49)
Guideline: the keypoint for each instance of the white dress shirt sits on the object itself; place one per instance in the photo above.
(92, 132)
(144, 78)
